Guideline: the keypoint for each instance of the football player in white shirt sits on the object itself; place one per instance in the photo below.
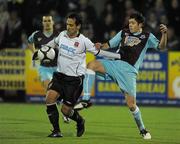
(67, 82)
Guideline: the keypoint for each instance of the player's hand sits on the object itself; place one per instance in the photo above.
(163, 28)
(98, 45)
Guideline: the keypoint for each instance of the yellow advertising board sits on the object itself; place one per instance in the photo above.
(33, 83)
(174, 75)
(17, 72)
(12, 69)
(90, 57)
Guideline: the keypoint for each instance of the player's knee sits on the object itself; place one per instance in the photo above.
(51, 97)
(91, 65)
(66, 110)
(132, 108)
(131, 105)
(131, 102)
(96, 66)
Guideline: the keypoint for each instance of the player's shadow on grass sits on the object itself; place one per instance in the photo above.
(46, 133)
(20, 120)
(109, 136)
(110, 124)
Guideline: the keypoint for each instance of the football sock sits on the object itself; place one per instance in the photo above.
(75, 116)
(53, 115)
(88, 84)
(138, 119)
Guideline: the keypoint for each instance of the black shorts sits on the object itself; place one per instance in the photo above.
(69, 87)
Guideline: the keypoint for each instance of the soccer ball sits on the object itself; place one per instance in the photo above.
(46, 54)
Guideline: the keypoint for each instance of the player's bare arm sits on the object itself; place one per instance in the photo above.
(31, 47)
(105, 46)
(163, 41)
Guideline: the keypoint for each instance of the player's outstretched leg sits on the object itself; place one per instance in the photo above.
(83, 104)
(87, 87)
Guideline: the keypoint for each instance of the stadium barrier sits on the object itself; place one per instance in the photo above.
(158, 81)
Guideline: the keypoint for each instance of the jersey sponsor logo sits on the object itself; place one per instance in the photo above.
(126, 34)
(69, 50)
(131, 41)
(39, 39)
(142, 37)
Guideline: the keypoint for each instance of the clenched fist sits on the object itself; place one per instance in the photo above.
(98, 45)
(163, 28)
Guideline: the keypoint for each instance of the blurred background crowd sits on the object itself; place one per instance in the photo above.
(102, 19)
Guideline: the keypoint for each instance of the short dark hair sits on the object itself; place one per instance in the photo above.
(138, 17)
(77, 17)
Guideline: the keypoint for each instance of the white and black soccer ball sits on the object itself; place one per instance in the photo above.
(46, 54)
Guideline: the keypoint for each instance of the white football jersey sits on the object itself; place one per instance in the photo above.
(72, 53)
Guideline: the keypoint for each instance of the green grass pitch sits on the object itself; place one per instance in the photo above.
(28, 124)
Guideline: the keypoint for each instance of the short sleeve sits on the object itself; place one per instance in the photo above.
(153, 42)
(89, 46)
(31, 38)
(114, 42)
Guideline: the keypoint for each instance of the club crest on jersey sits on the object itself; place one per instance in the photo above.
(131, 41)
(126, 34)
(76, 44)
(142, 37)
(39, 39)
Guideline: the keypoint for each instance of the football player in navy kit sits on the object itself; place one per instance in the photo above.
(132, 45)
(39, 38)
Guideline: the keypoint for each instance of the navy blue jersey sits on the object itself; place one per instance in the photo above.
(39, 39)
(133, 46)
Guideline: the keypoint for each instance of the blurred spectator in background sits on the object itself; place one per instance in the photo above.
(24, 41)
(58, 20)
(108, 8)
(173, 41)
(164, 19)
(90, 11)
(4, 17)
(159, 8)
(72, 5)
(152, 23)
(113, 16)
(108, 27)
(129, 9)
(87, 27)
(173, 15)
(12, 31)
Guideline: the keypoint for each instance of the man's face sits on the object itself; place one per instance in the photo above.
(134, 26)
(48, 23)
(72, 28)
